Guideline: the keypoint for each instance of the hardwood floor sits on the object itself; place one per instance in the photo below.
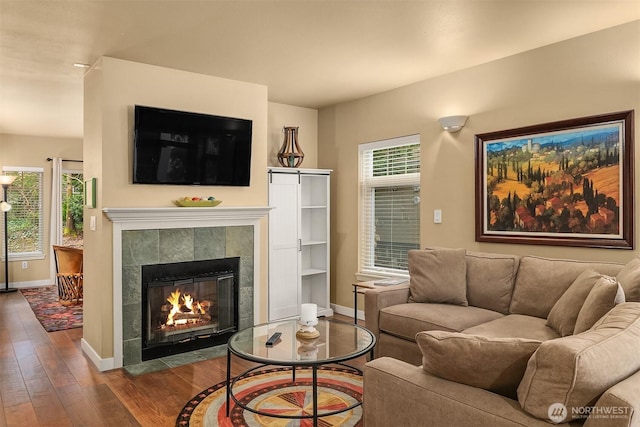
(45, 379)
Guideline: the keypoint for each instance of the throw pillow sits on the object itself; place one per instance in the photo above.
(438, 276)
(563, 315)
(604, 295)
(494, 364)
(576, 370)
(629, 278)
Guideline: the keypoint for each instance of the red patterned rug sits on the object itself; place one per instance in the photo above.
(50, 313)
(273, 391)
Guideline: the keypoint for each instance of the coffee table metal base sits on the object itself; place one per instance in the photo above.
(314, 386)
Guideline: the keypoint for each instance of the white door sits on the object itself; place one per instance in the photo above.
(284, 246)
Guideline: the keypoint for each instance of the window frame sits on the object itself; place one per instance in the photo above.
(366, 235)
(37, 254)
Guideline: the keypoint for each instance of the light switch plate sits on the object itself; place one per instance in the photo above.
(437, 216)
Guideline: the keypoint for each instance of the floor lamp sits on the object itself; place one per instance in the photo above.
(6, 181)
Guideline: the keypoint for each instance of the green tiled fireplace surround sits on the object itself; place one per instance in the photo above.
(145, 247)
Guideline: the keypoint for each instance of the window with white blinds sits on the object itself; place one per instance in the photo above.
(389, 204)
(25, 219)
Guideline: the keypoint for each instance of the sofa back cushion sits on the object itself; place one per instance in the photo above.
(629, 278)
(576, 370)
(438, 276)
(490, 279)
(540, 282)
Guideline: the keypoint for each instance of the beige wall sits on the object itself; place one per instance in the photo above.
(112, 88)
(33, 151)
(594, 74)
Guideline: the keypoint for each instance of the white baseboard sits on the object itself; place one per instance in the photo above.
(101, 364)
(30, 284)
(347, 311)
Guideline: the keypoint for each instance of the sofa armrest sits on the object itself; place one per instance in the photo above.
(399, 394)
(375, 299)
(619, 406)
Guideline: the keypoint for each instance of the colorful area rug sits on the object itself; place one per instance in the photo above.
(50, 313)
(273, 391)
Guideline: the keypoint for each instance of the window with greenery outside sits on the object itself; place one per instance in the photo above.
(24, 220)
(390, 223)
(72, 205)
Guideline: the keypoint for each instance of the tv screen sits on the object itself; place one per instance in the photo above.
(182, 148)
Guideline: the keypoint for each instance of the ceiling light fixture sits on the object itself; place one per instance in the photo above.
(453, 123)
(81, 65)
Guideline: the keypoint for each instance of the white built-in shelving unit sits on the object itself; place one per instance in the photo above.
(298, 241)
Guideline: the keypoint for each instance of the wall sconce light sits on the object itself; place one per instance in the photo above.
(6, 181)
(453, 123)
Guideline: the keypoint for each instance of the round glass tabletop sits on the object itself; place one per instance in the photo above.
(337, 342)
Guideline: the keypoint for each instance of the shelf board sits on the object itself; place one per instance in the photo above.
(312, 271)
(314, 207)
(314, 242)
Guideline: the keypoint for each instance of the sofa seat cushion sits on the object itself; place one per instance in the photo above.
(576, 370)
(540, 282)
(515, 326)
(494, 364)
(406, 320)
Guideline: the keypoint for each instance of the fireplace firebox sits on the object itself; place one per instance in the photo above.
(188, 305)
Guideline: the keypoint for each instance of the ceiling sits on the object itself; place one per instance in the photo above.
(309, 53)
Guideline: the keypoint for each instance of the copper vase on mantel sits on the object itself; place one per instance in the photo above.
(290, 154)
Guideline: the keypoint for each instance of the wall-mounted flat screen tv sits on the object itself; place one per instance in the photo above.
(182, 148)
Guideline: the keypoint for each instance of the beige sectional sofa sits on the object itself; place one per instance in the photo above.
(491, 339)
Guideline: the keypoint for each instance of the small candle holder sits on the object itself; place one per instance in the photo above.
(308, 350)
(307, 332)
(308, 319)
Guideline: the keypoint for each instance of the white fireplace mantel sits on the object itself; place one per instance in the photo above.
(140, 218)
(164, 214)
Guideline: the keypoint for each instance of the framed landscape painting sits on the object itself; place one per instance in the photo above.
(565, 183)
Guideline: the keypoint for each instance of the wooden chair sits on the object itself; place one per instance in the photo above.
(69, 274)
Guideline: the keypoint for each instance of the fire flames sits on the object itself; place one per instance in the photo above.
(184, 309)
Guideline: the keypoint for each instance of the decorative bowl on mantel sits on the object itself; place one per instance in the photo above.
(196, 202)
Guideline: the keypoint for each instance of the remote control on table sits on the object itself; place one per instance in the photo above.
(273, 339)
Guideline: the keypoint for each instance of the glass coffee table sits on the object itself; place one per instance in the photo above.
(338, 343)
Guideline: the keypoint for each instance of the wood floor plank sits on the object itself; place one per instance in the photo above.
(143, 408)
(8, 367)
(23, 348)
(3, 418)
(14, 392)
(201, 374)
(46, 404)
(55, 367)
(30, 367)
(111, 410)
(78, 406)
(63, 344)
(21, 415)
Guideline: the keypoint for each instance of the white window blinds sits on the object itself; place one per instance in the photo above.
(389, 204)
(25, 219)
